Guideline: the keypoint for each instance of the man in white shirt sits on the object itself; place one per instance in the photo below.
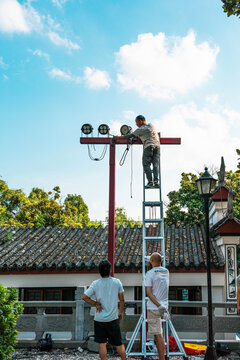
(151, 148)
(107, 291)
(157, 284)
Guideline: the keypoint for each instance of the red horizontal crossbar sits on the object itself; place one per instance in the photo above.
(107, 140)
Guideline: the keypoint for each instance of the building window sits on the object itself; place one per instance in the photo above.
(191, 293)
(49, 294)
(137, 296)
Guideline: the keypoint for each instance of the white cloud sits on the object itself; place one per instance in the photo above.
(61, 75)
(51, 23)
(59, 3)
(96, 79)
(5, 77)
(57, 40)
(212, 99)
(39, 53)
(160, 67)
(207, 134)
(12, 17)
(128, 115)
(15, 17)
(2, 64)
(115, 126)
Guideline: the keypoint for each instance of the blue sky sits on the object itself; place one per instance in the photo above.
(67, 62)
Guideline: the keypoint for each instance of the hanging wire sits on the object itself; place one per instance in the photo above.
(101, 157)
(122, 161)
(123, 158)
(131, 181)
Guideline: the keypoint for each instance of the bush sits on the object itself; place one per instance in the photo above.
(10, 309)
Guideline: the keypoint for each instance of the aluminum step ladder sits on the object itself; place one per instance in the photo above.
(153, 240)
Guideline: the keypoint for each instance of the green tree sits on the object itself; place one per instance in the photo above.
(41, 208)
(238, 165)
(185, 206)
(231, 7)
(10, 202)
(233, 181)
(76, 209)
(121, 218)
(10, 309)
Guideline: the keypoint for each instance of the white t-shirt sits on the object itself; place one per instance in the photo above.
(148, 135)
(158, 279)
(105, 291)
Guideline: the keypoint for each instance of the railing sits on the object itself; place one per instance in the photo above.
(42, 322)
(80, 322)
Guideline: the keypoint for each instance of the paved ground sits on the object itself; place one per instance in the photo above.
(72, 355)
(23, 354)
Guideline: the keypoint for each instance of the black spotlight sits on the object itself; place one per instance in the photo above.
(125, 129)
(103, 129)
(87, 129)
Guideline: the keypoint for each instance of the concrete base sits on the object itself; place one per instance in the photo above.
(71, 344)
(57, 344)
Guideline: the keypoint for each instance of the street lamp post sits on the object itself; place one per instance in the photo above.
(206, 185)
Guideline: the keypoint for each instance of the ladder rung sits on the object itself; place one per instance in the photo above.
(152, 203)
(152, 220)
(153, 238)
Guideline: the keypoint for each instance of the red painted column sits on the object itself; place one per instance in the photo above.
(111, 208)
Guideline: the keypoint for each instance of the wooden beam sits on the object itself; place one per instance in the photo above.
(107, 141)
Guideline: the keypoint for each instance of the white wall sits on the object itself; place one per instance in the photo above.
(130, 279)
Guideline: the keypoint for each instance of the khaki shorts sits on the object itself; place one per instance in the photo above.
(154, 321)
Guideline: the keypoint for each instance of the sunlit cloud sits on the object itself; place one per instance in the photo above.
(62, 75)
(96, 79)
(13, 17)
(59, 41)
(160, 67)
(59, 3)
(128, 115)
(3, 65)
(39, 53)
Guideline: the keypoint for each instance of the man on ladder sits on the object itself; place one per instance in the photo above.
(157, 284)
(151, 148)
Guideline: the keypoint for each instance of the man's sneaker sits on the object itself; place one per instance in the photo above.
(156, 184)
(150, 183)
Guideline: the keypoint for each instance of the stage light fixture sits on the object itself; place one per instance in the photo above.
(103, 129)
(125, 129)
(87, 129)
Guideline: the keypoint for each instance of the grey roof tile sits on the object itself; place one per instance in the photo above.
(55, 248)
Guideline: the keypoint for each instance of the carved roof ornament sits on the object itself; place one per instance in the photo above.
(221, 173)
(230, 203)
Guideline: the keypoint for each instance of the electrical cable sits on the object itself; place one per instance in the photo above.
(131, 181)
(122, 161)
(123, 158)
(101, 157)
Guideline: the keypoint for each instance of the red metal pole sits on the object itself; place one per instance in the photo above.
(111, 211)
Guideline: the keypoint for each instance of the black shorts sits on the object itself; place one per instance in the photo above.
(108, 332)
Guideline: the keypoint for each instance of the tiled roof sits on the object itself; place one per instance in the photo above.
(221, 193)
(69, 248)
(229, 224)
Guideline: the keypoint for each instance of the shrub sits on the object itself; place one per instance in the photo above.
(10, 309)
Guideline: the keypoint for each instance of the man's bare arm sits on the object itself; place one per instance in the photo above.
(151, 296)
(121, 307)
(90, 301)
(127, 136)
